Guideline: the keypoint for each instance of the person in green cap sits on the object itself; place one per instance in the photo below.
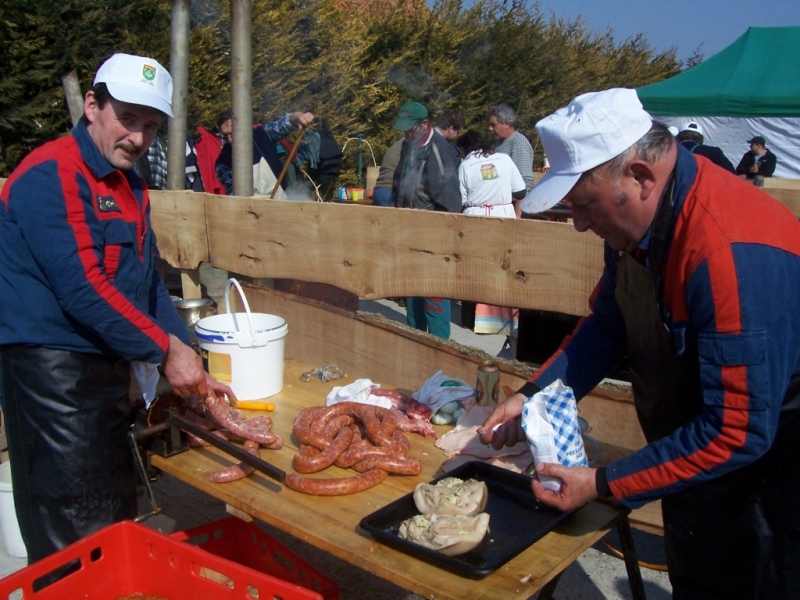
(426, 178)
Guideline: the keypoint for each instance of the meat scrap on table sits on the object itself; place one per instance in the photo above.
(462, 444)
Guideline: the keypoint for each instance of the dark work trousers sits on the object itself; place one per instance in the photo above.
(67, 419)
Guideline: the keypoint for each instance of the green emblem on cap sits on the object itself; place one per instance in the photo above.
(149, 72)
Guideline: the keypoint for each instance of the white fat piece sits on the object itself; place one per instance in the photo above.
(451, 496)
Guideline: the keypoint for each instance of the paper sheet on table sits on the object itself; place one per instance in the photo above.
(358, 391)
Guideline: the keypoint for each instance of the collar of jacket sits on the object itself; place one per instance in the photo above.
(425, 140)
(90, 153)
(685, 173)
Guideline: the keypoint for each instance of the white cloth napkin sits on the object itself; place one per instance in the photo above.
(358, 391)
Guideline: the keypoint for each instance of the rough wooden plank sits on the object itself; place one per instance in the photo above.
(380, 253)
(179, 223)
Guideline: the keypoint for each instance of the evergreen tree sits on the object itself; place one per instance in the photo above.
(352, 63)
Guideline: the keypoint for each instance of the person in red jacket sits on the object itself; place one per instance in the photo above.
(82, 302)
(702, 300)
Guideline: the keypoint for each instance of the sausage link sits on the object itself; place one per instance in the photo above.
(353, 455)
(402, 465)
(339, 486)
(374, 428)
(239, 471)
(311, 460)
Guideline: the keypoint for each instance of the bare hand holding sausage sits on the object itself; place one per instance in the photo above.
(184, 369)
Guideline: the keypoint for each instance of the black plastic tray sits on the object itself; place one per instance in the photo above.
(516, 521)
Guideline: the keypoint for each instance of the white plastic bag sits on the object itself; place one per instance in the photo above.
(440, 391)
(550, 422)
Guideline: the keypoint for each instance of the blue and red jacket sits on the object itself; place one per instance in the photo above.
(77, 256)
(731, 283)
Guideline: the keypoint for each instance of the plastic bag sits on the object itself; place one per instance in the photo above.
(550, 422)
(444, 396)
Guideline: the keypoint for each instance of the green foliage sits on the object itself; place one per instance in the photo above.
(42, 40)
(351, 65)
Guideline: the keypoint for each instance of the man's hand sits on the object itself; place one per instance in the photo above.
(510, 430)
(184, 369)
(301, 120)
(220, 389)
(754, 168)
(577, 486)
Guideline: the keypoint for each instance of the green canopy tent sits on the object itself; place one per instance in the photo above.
(752, 87)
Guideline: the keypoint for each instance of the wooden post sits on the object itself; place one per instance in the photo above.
(72, 90)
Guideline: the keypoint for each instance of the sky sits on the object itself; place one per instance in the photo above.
(683, 24)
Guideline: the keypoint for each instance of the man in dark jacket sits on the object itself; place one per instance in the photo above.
(691, 137)
(758, 161)
(426, 178)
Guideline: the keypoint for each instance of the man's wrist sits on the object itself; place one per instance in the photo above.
(601, 482)
(529, 389)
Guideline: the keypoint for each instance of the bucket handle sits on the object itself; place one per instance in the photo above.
(228, 285)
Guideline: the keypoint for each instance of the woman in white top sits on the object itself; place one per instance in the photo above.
(490, 181)
(490, 185)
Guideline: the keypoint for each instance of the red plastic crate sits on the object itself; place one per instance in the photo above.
(251, 546)
(128, 558)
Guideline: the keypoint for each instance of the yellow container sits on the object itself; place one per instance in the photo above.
(355, 194)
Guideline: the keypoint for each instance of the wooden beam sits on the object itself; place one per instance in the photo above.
(179, 222)
(381, 253)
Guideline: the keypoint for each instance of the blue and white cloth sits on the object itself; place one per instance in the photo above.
(561, 409)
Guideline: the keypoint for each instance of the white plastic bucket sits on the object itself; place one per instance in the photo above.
(12, 538)
(243, 350)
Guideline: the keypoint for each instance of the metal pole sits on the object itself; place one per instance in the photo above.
(241, 84)
(179, 69)
(360, 154)
(72, 90)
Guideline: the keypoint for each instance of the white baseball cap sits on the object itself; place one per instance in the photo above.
(692, 126)
(137, 80)
(591, 130)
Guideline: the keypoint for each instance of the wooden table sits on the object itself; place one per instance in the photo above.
(331, 523)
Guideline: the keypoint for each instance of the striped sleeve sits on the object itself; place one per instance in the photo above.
(748, 349)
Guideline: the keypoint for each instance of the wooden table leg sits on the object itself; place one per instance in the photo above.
(631, 560)
(549, 588)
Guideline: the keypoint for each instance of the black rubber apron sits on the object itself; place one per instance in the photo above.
(737, 536)
(68, 416)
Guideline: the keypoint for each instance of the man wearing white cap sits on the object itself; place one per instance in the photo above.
(702, 300)
(692, 138)
(81, 302)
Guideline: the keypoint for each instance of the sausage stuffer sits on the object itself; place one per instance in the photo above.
(162, 429)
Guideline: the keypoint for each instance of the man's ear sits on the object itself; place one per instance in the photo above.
(642, 171)
(90, 106)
